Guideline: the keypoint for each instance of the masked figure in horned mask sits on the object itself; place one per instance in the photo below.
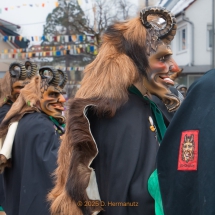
(35, 124)
(10, 85)
(13, 81)
(113, 129)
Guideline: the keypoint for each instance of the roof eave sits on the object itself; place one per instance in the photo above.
(179, 13)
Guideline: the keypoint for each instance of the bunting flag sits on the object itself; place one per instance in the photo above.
(80, 48)
(49, 38)
(49, 51)
(73, 68)
(73, 44)
(43, 4)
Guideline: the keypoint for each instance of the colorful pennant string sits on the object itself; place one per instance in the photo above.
(48, 51)
(49, 38)
(73, 44)
(43, 4)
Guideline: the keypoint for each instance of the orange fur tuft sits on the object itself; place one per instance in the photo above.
(5, 88)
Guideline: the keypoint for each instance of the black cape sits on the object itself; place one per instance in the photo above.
(187, 187)
(34, 157)
(127, 157)
(3, 111)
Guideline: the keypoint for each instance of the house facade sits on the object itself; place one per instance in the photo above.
(193, 43)
(9, 29)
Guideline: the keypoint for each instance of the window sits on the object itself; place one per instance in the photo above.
(209, 37)
(192, 78)
(182, 39)
(186, 80)
(182, 79)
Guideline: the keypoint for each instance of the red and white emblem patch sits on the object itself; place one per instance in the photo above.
(188, 151)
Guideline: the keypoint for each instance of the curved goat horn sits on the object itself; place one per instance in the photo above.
(63, 79)
(31, 68)
(18, 70)
(52, 80)
(169, 30)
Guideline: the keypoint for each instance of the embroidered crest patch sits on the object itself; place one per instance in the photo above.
(188, 151)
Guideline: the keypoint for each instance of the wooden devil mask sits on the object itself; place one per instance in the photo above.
(18, 76)
(161, 64)
(52, 84)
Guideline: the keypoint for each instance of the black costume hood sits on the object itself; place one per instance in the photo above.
(186, 161)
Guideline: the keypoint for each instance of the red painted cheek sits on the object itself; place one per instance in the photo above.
(158, 66)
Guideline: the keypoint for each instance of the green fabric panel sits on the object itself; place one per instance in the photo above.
(153, 183)
(157, 115)
(154, 190)
(56, 122)
(1, 209)
(158, 120)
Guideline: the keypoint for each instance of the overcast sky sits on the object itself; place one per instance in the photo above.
(30, 18)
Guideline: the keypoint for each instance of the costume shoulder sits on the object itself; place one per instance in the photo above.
(127, 153)
(38, 130)
(186, 161)
(34, 158)
(35, 119)
(3, 111)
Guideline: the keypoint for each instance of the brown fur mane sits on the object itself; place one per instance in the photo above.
(5, 88)
(30, 93)
(118, 65)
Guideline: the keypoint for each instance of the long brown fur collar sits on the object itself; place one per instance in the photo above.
(76, 152)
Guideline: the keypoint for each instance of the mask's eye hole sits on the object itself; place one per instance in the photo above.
(162, 59)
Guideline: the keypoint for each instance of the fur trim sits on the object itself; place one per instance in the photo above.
(76, 152)
(4, 162)
(5, 88)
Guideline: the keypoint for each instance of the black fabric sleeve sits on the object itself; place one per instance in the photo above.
(34, 159)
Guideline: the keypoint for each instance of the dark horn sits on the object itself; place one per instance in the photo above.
(21, 74)
(64, 78)
(169, 30)
(33, 70)
(55, 80)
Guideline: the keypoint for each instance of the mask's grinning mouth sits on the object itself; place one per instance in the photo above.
(167, 80)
